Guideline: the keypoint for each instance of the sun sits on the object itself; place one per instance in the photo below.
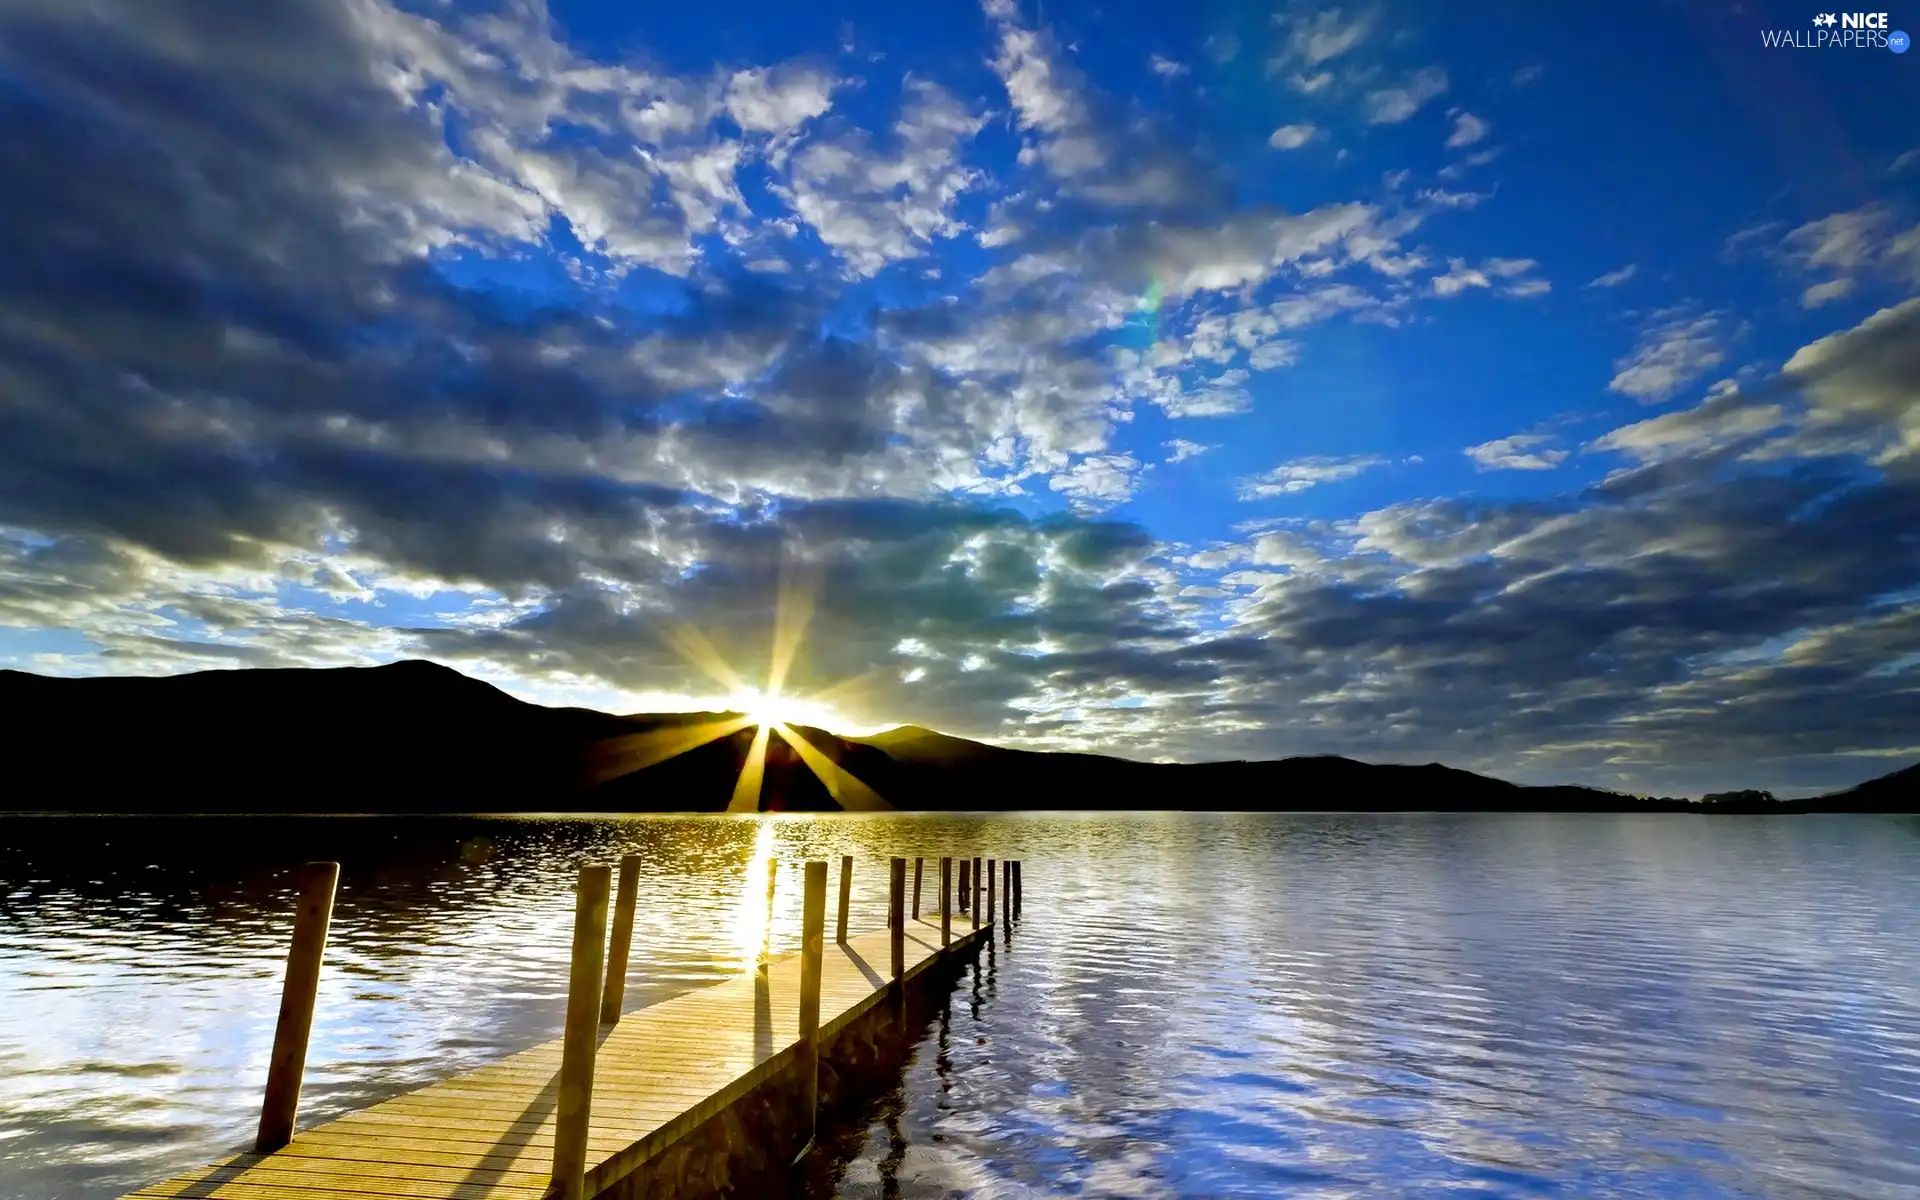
(770, 711)
(769, 708)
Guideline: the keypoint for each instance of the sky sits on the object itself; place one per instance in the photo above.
(1530, 388)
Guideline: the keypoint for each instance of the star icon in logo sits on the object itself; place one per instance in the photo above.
(1826, 19)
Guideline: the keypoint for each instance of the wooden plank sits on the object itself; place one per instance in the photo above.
(490, 1133)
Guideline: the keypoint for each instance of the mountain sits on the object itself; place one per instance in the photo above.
(418, 737)
(1898, 792)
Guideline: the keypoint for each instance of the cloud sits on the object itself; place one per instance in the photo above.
(1316, 38)
(778, 100)
(1725, 419)
(1100, 480)
(1871, 245)
(1467, 129)
(1615, 278)
(1167, 68)
(1675, 350)
(1818, 294)
(1861, 387)
(1181, 450)
(1847, 394)
(876, 207)
(1137, 167)
(1460, 169)
(1459, 278)
(1392, 105)
(1292, 137)
(1519, 452)
(1509, 276)
(1246, 248)
(1441, 198)
(1292, 478)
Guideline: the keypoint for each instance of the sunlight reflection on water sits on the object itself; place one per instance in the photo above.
(1314, 1005)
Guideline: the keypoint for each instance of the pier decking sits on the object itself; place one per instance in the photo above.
(658, 1075)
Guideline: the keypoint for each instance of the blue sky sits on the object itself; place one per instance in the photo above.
(1534, 393)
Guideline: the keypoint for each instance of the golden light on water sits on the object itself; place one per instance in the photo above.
(753, 912)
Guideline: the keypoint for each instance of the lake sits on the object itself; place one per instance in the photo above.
(1310, 1005)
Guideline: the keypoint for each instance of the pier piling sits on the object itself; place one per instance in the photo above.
(918, 863)
(615, 991)
(946, 903)
(813, 920)
(301, 987)
(897, 917)
(573, 1102)
(846, 897)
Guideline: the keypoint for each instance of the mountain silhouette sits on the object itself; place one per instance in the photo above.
(418, 737)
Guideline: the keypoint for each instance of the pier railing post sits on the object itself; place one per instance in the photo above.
(918, 863)
(813, 920)
(990, 866)
(960, 893)
(299, 990)
(946, 902)
(616, 990)
(974, 893)
(846, 897)
(897, 915)
(573, 1105)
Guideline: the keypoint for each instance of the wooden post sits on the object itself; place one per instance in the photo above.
(813, 921)
(917, 864)
(974, 896)
(573, 1106)
(1014, 896)
(990, 866)
(960, 893)
(616, 989)
(846, 897)
(1006, 889)
(897, 915)
(946, 902)
(298, 991)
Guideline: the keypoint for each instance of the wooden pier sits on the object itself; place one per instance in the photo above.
(653, 1102)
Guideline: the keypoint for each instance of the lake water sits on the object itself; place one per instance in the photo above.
(1192, 1005)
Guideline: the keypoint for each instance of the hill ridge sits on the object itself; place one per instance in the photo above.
(416, 735)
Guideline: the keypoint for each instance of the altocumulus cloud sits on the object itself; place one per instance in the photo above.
(262, 407)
